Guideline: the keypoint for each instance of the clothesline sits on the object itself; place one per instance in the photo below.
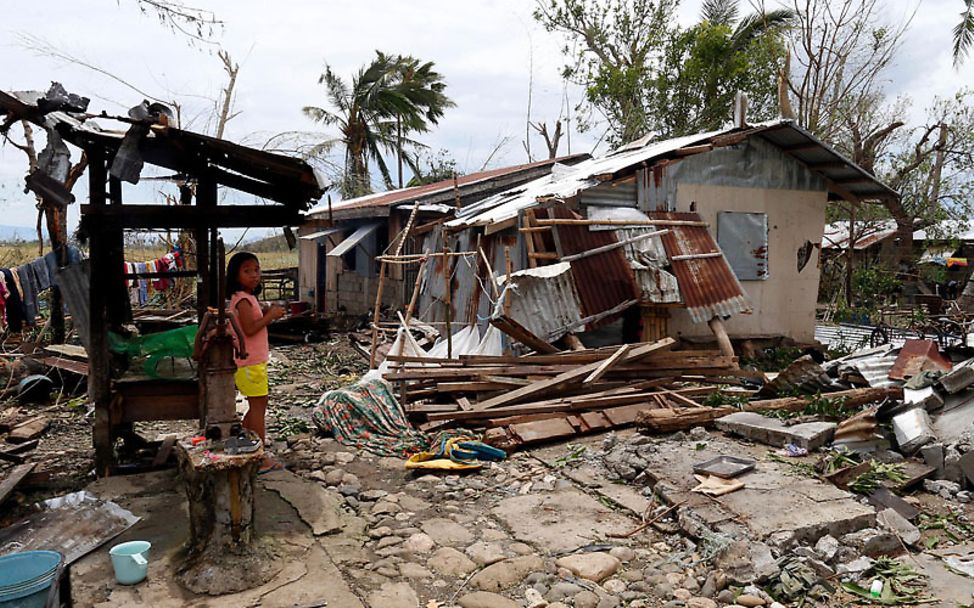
(21, 286)
(142, 289)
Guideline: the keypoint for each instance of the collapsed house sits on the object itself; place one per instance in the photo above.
(674, 237)
(339, 242)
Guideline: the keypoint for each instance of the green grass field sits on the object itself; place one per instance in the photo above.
(15, 254)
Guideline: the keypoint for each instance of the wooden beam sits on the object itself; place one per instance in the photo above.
(606, 365)
(611, 246)
(523, 335)
(144, 216)
(573, 222)
(15, 477)
(569, 376)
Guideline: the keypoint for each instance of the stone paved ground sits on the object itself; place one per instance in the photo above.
(548, 527)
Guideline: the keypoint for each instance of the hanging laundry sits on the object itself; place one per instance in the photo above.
(28, 292)
(15, 305)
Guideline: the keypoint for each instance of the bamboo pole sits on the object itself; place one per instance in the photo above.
(572, 222)
(382, 278)
(611, 246)
(412, 258)
(412, 300)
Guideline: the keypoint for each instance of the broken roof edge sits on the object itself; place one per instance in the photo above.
(411, 194)
(508, 204)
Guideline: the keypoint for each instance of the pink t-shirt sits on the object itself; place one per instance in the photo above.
(257, 345)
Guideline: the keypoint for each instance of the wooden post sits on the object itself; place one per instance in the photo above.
(507, 283)
(448, 298)
(375, 313)
(723, 341)
(99, 361)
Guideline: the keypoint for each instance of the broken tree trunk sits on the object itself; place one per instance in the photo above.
(224, 554)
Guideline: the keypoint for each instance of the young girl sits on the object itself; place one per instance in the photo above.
(243, 285)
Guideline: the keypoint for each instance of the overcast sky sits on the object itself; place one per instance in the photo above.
(488, 51)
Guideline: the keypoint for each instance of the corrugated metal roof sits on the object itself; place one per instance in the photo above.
(407, 195)
(836, 235)
(352, 240)
(544, 300)
(873, 364)
(604, 280)
(708, 285)
(785, 134)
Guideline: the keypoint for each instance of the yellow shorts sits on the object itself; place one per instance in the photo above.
(252, 380)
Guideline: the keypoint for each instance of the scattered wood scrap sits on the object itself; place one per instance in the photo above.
(520, 400)
(13, 478)
(29, 429)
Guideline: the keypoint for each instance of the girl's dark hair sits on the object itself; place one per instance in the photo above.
(233, 272)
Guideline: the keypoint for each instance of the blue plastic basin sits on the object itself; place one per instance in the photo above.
(26, 577)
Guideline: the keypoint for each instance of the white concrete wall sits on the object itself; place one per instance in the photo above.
(784, 303)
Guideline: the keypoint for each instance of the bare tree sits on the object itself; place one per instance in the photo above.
(551, 140)
(197, 24)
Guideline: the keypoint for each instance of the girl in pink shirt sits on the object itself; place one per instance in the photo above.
(243, 285)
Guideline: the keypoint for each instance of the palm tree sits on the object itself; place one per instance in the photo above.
(964, 33)
(731, 38)
(751, 27)
(425, 87)
(391, 97)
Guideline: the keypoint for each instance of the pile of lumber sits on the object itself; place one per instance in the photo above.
(541, 397)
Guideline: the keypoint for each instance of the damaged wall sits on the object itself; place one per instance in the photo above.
(784, 303)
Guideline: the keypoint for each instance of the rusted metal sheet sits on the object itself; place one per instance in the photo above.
(479, 183)
(707, 284)
(545, 300)
(74, 524)
(604, 280)
(74, 282)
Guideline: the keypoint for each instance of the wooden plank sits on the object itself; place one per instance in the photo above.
(568, 376)
(29, 429)
(522, 334)
(469, 387)
(464, 404)
(505, 380)
(13, 453)
(10, 418)
(542, 430)
(606, 365)
(164, 451)
(16, 475)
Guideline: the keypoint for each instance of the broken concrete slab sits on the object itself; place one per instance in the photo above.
(952, 590)
(899, 525)
(561, 521)
(933, 455)
(770, 431)
(814, 508)
(959, 378)
(927, 398)
(966, 464)
(883, 498)
(745, 562)
(318, 507)
(913, 430)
